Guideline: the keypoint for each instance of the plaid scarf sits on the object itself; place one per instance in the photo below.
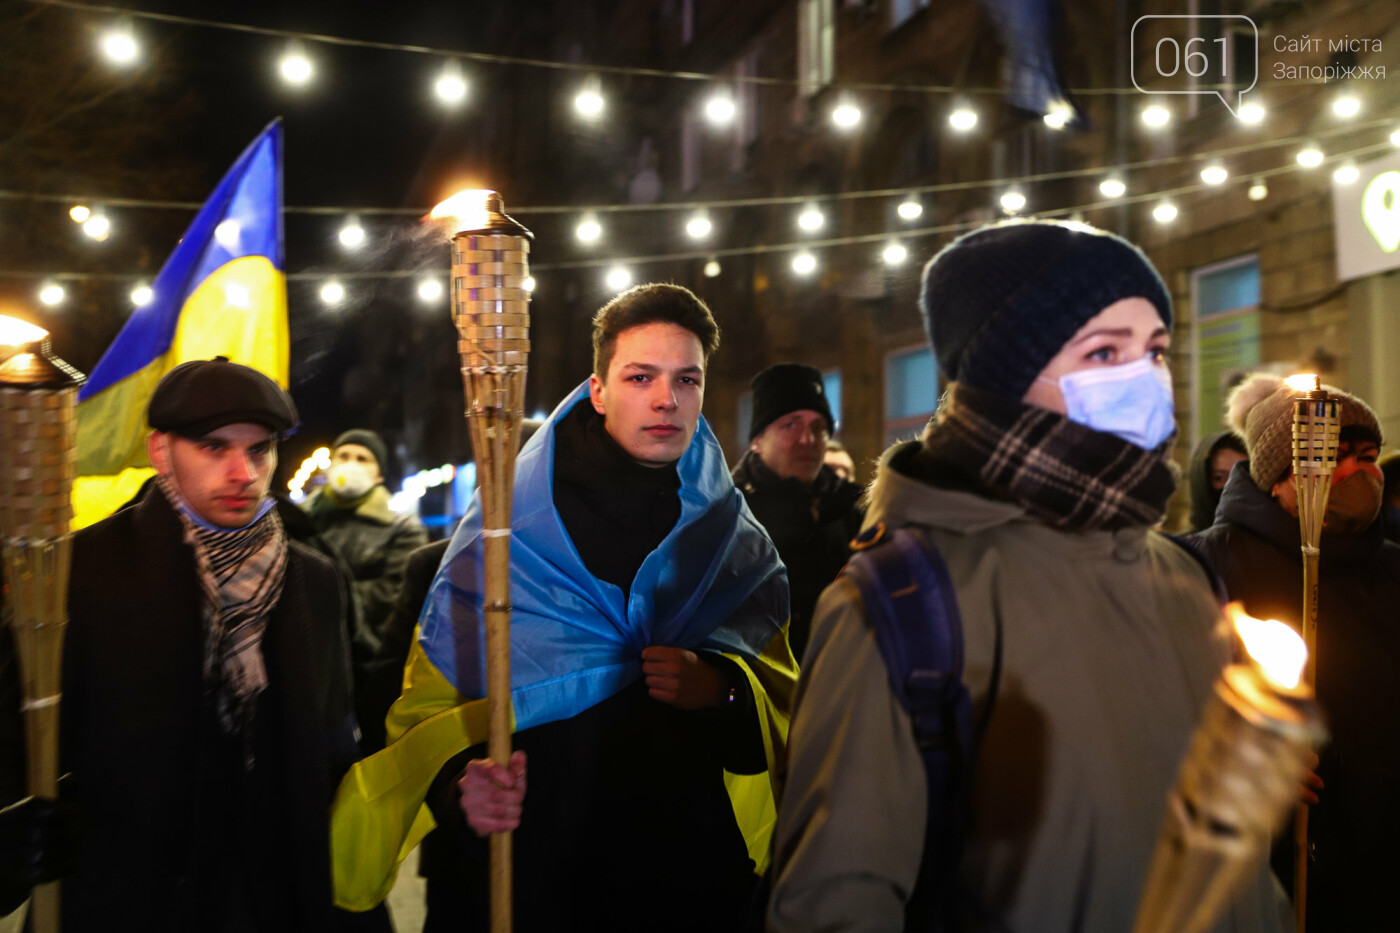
(241, 572)
(1062, 472)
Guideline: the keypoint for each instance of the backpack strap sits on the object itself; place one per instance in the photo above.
(912, 609)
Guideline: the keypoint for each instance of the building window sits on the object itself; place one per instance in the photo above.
(831, 385)
(911, 392)
(816, 44)
(1225, 335)
(901, 10)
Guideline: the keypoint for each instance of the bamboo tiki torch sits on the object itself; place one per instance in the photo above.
(1241, 775)
(1316, 431)
(491, 304)
(38, 452)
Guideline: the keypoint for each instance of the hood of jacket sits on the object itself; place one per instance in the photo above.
(1204, 499)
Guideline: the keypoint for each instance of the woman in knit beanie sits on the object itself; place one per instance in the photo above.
(1255, 546)
(1089, 639)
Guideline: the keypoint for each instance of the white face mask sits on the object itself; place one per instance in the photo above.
(1133, 401)
(350, 480)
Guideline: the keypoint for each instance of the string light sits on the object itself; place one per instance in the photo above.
(811, 220)
(1395, 138)
(80, 212)
(295, 67)
(119, 45)
(846, 115)
(1346, 174)
(804, 263)
(1058, 115)
(97, 227)
(1156, 116)
(1252, 113)
(352, 235)
(529, 283)
(332, 293)
(698, 227)
(451, 87)
(618, 278)
(430, 290)
(1214, 174)
(720, 109)
(1310, 157)
(142, 295)
(589, 101)
(1258, 191)
(1013, 201)
(962, 119)
(52, 294)
(1346, 106)
(588, 230)
(894, 254)
(1112, 187)
(1165, 212)
(712, 269)
(910, 208)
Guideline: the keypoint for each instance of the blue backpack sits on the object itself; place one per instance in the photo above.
(911, 607)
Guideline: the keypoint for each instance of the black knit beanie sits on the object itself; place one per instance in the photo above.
(367, 439)
(788, 387)
(1000, 302)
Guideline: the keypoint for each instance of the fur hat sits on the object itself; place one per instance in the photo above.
(1260, 409)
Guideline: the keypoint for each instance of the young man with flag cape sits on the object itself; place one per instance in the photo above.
(650, 669)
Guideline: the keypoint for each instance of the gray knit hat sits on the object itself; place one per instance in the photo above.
(1260, 409)
(1000, 302)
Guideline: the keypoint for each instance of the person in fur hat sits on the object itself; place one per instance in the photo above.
(1255, 546)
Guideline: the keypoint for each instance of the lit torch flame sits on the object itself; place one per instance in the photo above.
(1275, 648)
(468, 208)
(16, 333)
(1304, 382)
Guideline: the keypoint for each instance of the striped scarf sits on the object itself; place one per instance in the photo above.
(1062, 472)
(241, 572)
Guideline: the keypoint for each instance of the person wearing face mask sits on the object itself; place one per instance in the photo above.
(1255, 547)
(206, 708)
(810, 513)
(1039, 481)
(351, 513)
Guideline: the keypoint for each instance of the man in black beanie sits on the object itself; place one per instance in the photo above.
(1038, 482)
(351, 513)
(810, 513)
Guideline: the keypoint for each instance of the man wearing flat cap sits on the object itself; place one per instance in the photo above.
(207, 712)
(352, 514)
(809, 511)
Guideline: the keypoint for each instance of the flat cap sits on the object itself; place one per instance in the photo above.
(200, 396)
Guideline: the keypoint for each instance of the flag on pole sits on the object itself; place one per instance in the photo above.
(221, 293)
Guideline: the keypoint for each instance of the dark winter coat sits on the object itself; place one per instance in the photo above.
(627, 824)
(1255, 547)
(176, 834)
(812, 528)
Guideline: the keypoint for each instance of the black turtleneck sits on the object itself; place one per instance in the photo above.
(615, 510)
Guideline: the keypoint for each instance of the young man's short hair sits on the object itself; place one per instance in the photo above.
(649, 304)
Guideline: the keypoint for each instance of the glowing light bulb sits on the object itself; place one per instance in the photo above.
(332, 293)
(295, 68)
(846, 116)
(618, 278)
(450, 87)
(1346, 175)
(1346, 106)
(1252, 113)
(1165, 212)
(1258, 191)
(1395, 138)
(811, 219)
(1112, 188)
(119, 45)
(910, 209)
(97, 227)
(1058, 116)
(698, 227)
(80, 212)
(1013, 201)
(588, 230)
(52, 294)
(430, 290)
(351, 235)
(962, 119)
(1310, 157)
(529, 283)
(1156, 116)
(804, 263)
(894, 254)
(142, 295)
(712, 269)
(720, 110)
(589, 103)
(1214, 174)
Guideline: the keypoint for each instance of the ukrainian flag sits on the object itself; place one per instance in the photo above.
(221, 293)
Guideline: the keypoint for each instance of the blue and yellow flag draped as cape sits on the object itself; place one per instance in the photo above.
(715, 583)
(221, 292)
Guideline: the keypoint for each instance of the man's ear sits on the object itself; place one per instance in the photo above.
(595, 393)
(158, 451)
